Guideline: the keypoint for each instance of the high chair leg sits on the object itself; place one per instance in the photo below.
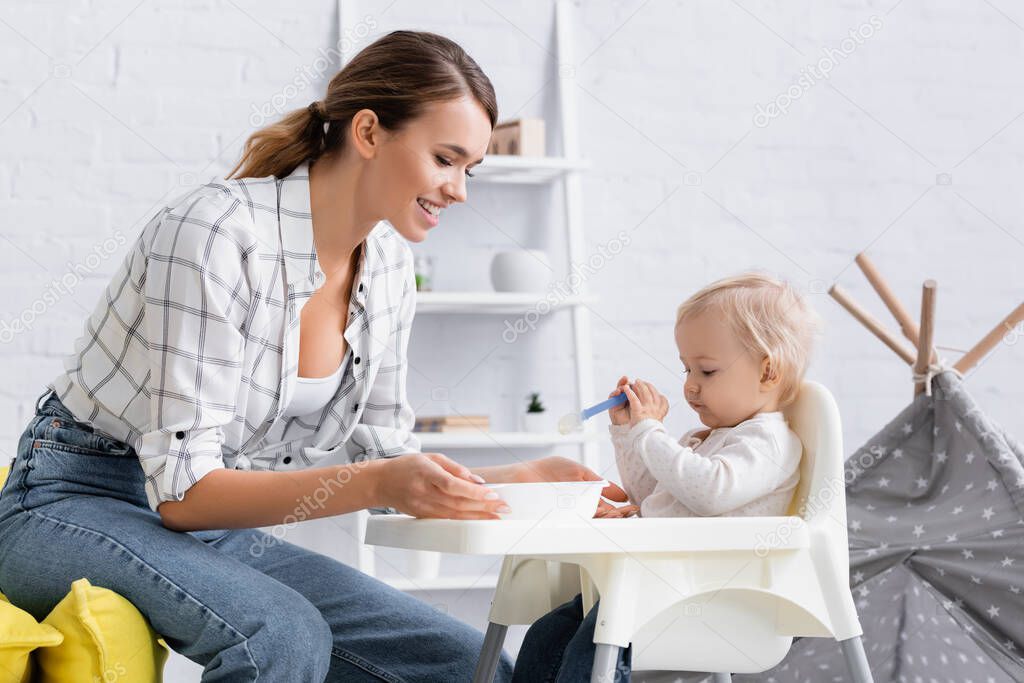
(606, 660)
(721, 678)
(490, 653)
(856, 660)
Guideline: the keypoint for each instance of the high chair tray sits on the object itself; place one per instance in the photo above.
(549, 537)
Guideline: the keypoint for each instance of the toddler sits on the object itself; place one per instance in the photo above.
(744, 343)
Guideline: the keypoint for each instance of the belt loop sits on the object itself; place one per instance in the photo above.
(49, 390)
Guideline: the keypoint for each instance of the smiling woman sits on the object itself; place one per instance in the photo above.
(259, 325)
(419, 131)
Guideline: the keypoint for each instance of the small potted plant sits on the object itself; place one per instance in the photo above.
(535, 419)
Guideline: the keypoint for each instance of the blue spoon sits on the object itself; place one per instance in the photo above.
(574, 421)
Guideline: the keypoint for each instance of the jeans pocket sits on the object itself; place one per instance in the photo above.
(68, 464)
(62, 434)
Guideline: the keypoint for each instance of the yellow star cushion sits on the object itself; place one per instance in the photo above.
(20, 634)
(105, 638)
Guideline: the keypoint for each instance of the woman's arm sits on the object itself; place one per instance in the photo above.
(419, 484)
(197, 290)
(239, 499)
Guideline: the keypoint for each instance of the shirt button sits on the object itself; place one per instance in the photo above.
(179, 435)
(287, 459)
(360, 286)
(355, 408)
(356, 360)
(317, 277)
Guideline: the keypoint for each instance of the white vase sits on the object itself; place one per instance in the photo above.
(521, 270)
(537, 423)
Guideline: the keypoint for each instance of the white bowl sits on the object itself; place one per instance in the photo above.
(551, 499)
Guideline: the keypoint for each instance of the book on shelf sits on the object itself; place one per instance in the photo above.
(453, 423)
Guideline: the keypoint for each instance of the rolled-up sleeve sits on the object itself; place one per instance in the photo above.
(197, 298)
(387, 420)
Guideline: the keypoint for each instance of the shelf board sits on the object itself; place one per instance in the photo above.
(499, 303)
(444, 583)
(480, 440)
(504, 168)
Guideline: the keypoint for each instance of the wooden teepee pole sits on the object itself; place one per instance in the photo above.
(989, 341)
(927, 334)
(907, 325)
(872, 323)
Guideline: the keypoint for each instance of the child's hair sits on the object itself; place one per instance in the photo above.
(769, 317)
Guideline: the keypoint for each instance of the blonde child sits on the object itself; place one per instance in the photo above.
(744, 343)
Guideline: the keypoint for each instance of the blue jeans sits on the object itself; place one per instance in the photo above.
(243, 603)
(559, 648)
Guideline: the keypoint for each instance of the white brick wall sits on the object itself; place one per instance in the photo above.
(105, 108)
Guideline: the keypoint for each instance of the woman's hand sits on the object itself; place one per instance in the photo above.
(557, 468)
(645, 402)
(619, 415)
(433, 485)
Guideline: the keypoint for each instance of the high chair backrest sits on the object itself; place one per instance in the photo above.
(814, 417)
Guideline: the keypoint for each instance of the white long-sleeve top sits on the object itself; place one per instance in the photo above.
(751, 469)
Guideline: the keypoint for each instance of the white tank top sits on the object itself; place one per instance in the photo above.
(313, 393)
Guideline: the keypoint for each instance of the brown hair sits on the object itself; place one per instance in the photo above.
(395, 77)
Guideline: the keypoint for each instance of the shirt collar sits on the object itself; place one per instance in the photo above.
(361, 285)
(295, 221)
(773, 416)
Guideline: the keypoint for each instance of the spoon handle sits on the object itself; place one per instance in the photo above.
(590, 412)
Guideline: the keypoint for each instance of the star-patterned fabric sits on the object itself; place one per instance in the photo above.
(935, 504)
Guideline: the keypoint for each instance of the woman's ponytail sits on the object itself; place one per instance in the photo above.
(279, 148)
(395, 77)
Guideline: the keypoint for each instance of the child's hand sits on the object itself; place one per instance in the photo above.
(645, 402)
(618, 512)
(619, 415)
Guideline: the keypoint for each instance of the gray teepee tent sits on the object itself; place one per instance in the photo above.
(935, 503)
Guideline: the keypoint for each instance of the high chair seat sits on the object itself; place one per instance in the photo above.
(721, 594)
(631, 535)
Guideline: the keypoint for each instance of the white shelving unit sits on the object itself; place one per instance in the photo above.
(525, 170)
(564, 170)
(498, 303)
(479, 440)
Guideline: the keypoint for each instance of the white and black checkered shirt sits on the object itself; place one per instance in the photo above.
(192, 353)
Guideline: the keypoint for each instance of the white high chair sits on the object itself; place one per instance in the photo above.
(720, 594)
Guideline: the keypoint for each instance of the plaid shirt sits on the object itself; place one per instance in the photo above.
(192, 354)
